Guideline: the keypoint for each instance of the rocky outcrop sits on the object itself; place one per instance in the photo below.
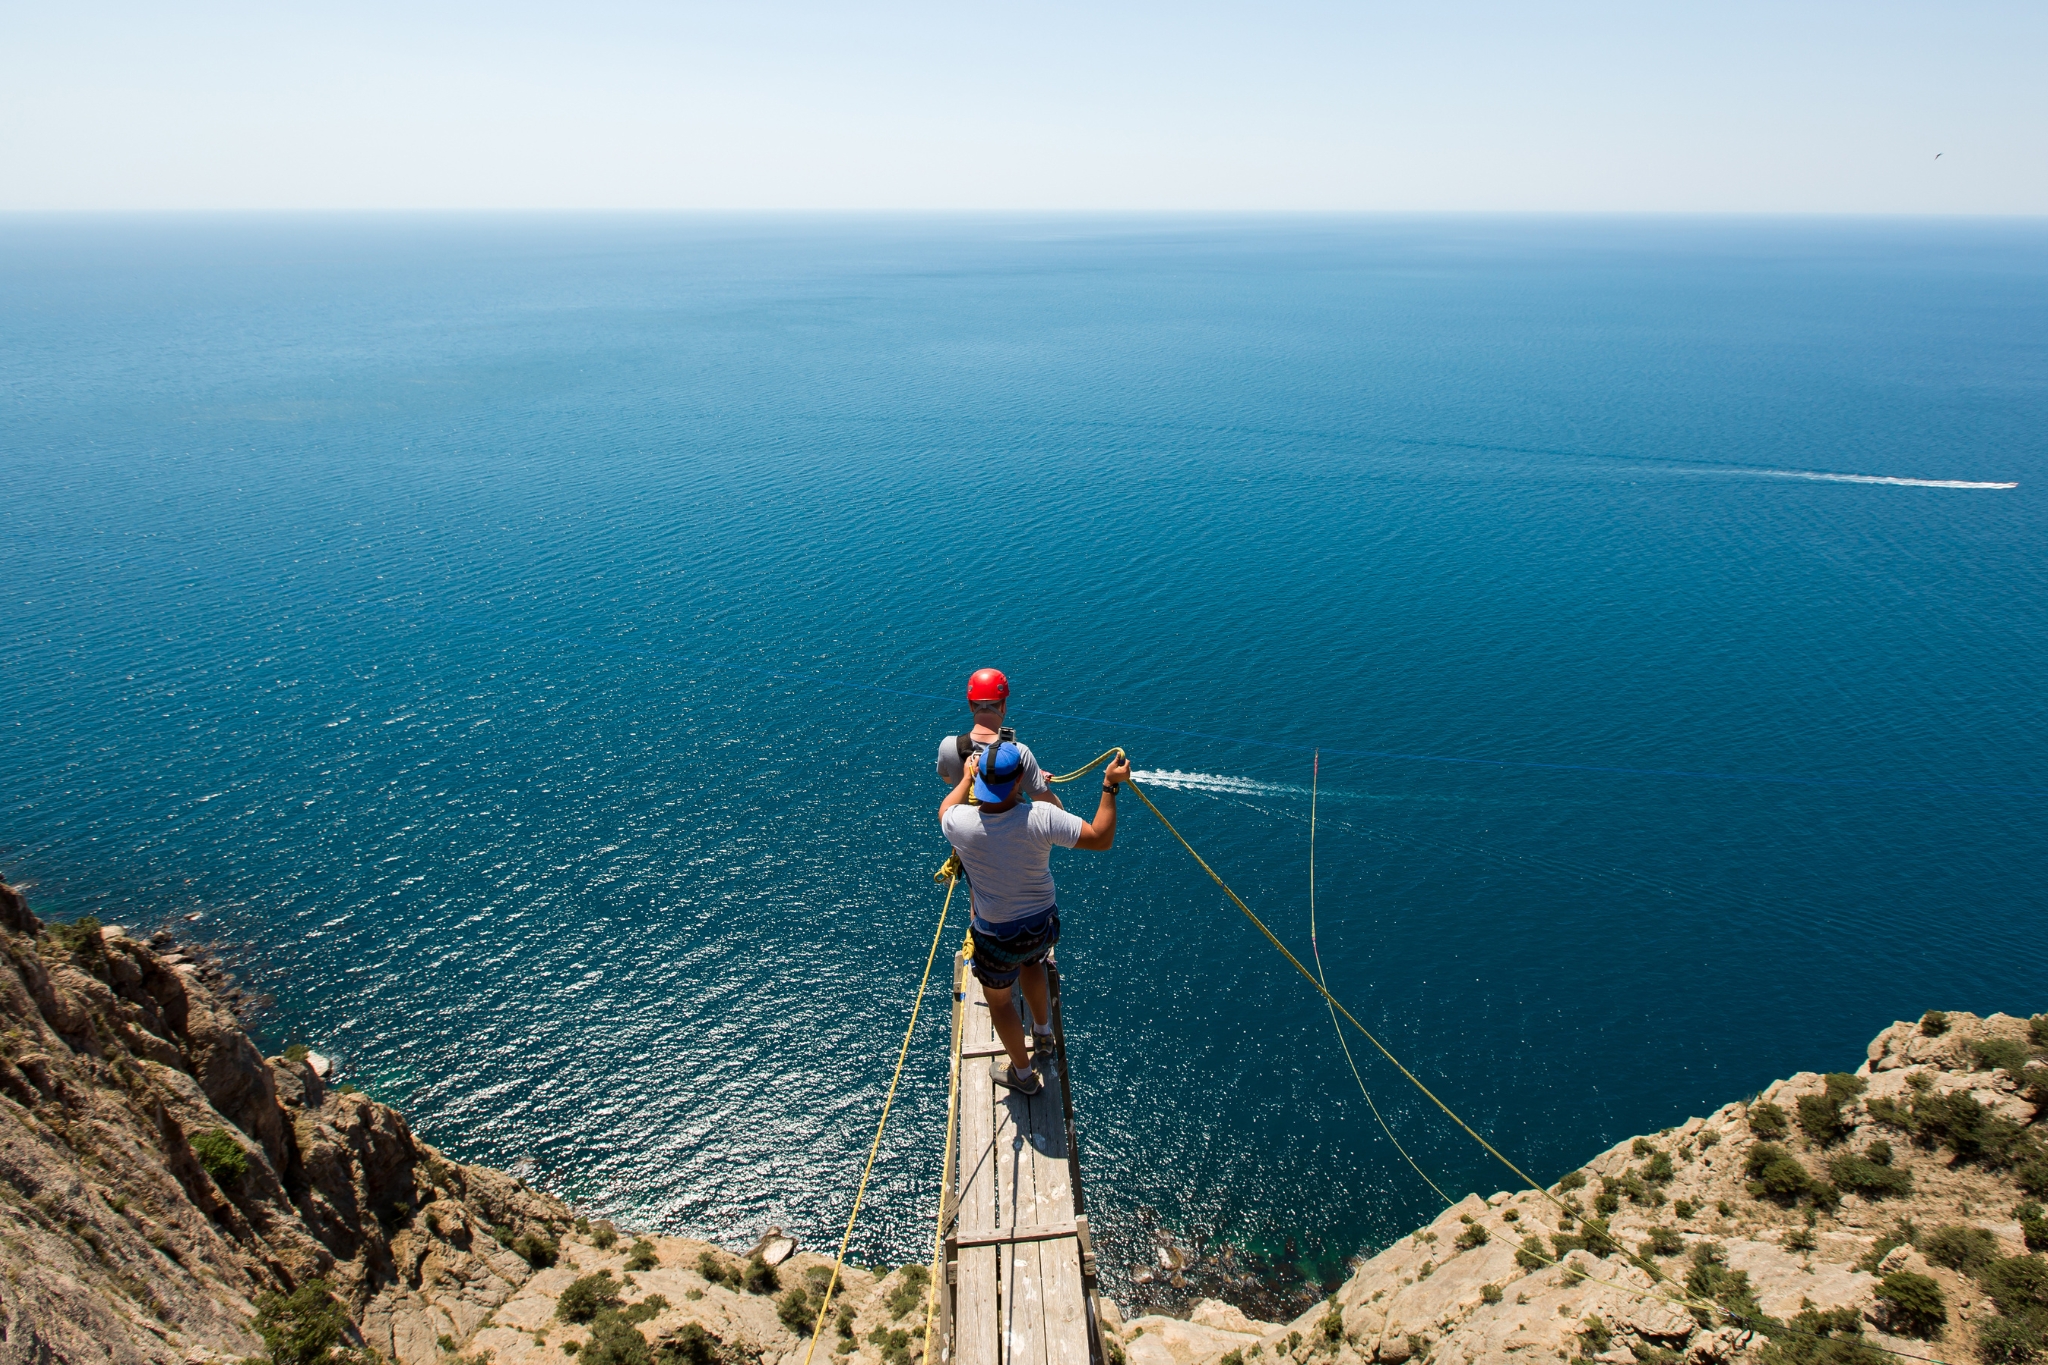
(1676, 1247)
(159, 1176)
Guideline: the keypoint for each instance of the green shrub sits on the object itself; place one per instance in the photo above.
(796, 1312)
(1571, 1180)
(1774, 1174)
(1232, 1358)
(585, 1298)
(1879, 1152)
(642, 1256)
(758, 1277)
(2033, 1226)
(1490, 1293)
(1642, 1147)
(302, 1327)
(1934, 1023)
(2032, 1176)
(909, 1291)
(2000, 1054)
(1472, 1236)
(1664, 1242)
(717, 1269)
(221, 1156)
(1801, 1239)
(691, 1345)
(2017, 1284)
(1821, 1118)
(2037, 1031)
(1871, 1179)
(604, 1235)
(615, 1341)
(1768, 1121)
(1685, 1209)
(297, 1052)
(1960, 1247)
(1823, 1337)
(1707, 1140)
(1332, 1326)
(1530, 1255)
(894, 1345)
(1904, 1234)
(2011, 1341)
(1710, 1278)
(647, 1310)
(1658, 1170)
(1594, 1336)
(1913, 1305)
(536, 1250)
(79, 936)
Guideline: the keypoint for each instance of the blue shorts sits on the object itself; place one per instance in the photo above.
(1002, 951)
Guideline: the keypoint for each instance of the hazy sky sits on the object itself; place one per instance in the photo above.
(776, 104)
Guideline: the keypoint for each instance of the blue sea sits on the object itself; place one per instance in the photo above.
(525, 640)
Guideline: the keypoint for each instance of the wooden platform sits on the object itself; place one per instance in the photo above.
(1020, 1283)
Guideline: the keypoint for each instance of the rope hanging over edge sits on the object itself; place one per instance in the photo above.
(839, 1262)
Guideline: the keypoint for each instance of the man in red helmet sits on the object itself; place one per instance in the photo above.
(988, 696)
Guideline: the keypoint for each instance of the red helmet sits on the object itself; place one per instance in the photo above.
(988, 684)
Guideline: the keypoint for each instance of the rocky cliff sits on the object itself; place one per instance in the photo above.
(159, 1177)
(160, 1181)
(1840, 1219)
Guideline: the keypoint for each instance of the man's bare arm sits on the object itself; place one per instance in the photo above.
(960, 789)
(1100, 833)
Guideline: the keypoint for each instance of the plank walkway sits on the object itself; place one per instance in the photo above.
(1020, 1281)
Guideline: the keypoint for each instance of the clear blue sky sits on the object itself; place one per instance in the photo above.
(778, 104)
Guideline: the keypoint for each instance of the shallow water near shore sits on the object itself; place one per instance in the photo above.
(527, 639)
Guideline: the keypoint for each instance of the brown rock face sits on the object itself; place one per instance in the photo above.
(118, 1243)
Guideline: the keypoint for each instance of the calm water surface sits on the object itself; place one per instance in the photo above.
(527, 639)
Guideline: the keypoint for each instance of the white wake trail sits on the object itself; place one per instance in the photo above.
(1175, 780)
(1824, 477)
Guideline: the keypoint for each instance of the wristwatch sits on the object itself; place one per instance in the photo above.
(1109, 789)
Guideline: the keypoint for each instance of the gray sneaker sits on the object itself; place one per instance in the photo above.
(1029, 1083)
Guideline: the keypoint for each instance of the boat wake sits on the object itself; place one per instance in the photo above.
(1821, 476)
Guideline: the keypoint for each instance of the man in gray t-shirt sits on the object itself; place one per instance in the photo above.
(988, 696)
(1006, 844)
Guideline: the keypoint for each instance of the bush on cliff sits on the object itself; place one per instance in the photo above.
(221, 1156)
(615, 1341)
(797, 1312)
(80, 936)
(585, 1298)
(756, 1277)
(1869, 1178)
(604, 1235)
(642, 1256)
(714, 1268)
(691, 1345)
(1913, 1305)
(2033, 1226)
(909, 1291)
(302, 1327)
(1768, 1122)
(1824, 1337)
(1934, 1023)
(1776, 1175)
(1960, 1247)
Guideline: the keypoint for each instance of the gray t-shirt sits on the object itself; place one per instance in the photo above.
(1008, 857)
(951, 766)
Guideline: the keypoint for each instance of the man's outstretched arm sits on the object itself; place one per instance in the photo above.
(1100, 832)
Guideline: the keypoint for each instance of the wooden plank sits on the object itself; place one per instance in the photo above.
(976, 1323)
(1025, 1233)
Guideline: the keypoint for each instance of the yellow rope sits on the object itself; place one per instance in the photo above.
(1688, 1303)
(931, 1307)
(1315, 785)
(1092, 765)
(1338, 1005)
(931, 956)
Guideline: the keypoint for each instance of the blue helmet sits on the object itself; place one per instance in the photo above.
(995, 777)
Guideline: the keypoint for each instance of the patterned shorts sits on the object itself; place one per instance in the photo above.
(998, 961)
